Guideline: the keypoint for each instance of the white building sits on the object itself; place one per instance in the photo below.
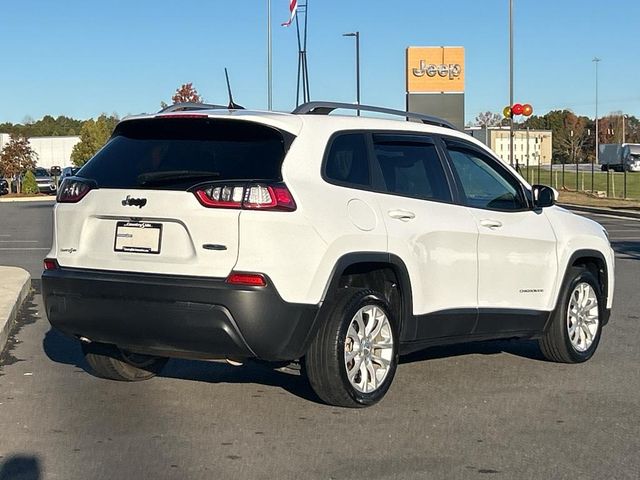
(530, 147)
(52, 151)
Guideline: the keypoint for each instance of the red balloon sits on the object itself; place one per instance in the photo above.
(527, 109)
(517, 109)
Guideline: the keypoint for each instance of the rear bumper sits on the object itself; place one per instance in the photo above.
(47, 188)
(177, 316)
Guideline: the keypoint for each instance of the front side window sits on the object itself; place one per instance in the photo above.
(482, 183)
(411, 168)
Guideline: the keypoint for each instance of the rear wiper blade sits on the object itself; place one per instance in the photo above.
(170, 175)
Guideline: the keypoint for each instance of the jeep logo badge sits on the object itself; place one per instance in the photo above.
(134, 202)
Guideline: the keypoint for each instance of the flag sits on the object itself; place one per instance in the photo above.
(293, 6)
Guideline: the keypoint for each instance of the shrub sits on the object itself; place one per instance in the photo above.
(29, 185)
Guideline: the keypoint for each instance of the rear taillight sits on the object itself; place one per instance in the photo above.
(248, 197)
(73, 190)
(51, 264)
(247, 279)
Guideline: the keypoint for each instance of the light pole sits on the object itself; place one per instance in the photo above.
(357, 35)
(269, 59)
(596, 60)
(511, 81)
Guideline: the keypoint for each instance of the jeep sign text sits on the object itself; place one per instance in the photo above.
(451, 70)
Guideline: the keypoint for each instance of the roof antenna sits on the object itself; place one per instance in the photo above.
(232, 105)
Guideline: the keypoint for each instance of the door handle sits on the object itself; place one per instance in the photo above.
(403, 215)
(491, 223)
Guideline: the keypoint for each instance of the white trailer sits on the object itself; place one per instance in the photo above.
(619, 157)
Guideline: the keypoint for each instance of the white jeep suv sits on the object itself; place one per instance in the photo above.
(339, 241)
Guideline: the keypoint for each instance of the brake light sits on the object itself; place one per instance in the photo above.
(51, 264)
(187, 115)
(247, 197)
(247, 279)
(73, 190)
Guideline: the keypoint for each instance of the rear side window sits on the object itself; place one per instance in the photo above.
(181, 152)
(411, 168)
(347, 161)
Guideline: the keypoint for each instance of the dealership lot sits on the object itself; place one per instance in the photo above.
(484, 410)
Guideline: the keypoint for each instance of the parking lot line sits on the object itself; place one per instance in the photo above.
(18, 241)
(25, 248)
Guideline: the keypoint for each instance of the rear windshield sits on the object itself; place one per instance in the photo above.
(178, 153)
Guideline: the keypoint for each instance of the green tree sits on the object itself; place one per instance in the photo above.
(47, 126)
(16, 158)
(29, 184)
(93, 135)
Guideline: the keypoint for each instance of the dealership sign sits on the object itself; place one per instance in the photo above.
(435, 69)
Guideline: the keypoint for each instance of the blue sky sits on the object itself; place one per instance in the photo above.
(82, 58)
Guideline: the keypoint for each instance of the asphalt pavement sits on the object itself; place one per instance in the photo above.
(485, 410)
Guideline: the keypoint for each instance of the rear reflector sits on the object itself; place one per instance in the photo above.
(250, 279)
(247, 197)
(51, 264)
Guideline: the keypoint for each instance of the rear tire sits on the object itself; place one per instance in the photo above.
(353, 359)
(576, 324)
(112, 363)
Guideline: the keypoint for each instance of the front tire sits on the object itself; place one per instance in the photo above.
(114, 364)
(576, 325)
(353, 359)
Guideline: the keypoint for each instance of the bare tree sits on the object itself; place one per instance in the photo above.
(488, 119)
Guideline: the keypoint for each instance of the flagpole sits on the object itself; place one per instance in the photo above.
(269, 59)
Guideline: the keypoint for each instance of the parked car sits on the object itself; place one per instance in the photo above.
(69, 172)
(4, 186)
(339, 242)
(46, 184)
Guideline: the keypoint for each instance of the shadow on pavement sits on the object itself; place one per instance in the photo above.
(20, 467)
(49, 204)
(630, 249)
(62, 349)
(520, 348)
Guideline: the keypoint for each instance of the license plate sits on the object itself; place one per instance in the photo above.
(138, 237)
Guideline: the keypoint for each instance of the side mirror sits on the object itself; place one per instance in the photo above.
(543, 196)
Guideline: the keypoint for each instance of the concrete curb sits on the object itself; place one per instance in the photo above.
(15, 284)
(602, 211)
(27, 199)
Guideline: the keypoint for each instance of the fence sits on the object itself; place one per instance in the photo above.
(585, 178)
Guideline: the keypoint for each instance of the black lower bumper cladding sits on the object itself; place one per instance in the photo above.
(179, 316)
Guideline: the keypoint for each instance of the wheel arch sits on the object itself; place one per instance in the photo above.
(381, 271)
(594, 261)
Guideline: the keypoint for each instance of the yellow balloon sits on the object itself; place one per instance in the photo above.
(507, 112)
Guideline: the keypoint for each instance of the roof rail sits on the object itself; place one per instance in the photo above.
(184, 106)
(325, 108)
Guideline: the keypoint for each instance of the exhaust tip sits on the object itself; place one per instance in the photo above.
(234, 362)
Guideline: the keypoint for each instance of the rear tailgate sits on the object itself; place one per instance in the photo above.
(190, 239)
